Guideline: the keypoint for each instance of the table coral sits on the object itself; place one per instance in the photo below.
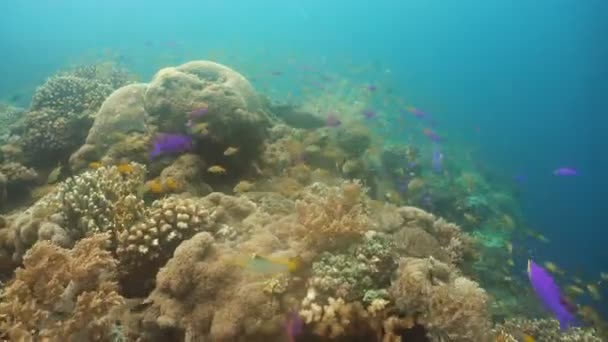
(62, 294)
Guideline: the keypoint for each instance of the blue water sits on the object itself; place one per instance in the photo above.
(523, 83)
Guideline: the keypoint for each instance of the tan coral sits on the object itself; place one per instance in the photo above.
(231, 302)
(62, 294)
(329, 217)
(455, 244)
(446, 304)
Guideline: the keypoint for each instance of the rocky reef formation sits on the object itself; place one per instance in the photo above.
(269, 226)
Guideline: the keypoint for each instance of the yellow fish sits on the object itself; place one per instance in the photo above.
(216, 169)
(95, 165)
(231, 151)
(201, 128)
(528, 338)
(575, 290)
(269, 265)
(594, 292)
(125, 168)
(553, 268)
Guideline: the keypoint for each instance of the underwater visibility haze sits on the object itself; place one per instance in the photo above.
(303, 170)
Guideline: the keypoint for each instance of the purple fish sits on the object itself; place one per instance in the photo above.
(371, 87)
(332, 121)
(416, 112)
(369, 113)
(565, 171)
(294, 326)
(437, 160)
(166, 143)
(549, 294)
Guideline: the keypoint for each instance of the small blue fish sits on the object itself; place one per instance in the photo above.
(166, 143)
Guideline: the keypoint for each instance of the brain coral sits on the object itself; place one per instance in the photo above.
(224, 99)
(121, 114)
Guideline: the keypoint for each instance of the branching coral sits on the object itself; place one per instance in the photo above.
(331, 217)
(167, 223)
(360, 274)
(90, 202)
(62, 294)
(444, 302)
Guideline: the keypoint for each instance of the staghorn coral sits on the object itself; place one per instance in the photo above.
(545, 330)
(62, 294)
(90, 202)
(444, 302)
(330, 217)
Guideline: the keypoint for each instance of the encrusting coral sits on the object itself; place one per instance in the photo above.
(62, 294)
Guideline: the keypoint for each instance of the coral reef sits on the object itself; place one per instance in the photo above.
(62, 294)
(9, 115)
(231, 109)
(361, 274)
(444, 302)
(423, 234)
(331, 217)
(145, 246)
(94, 200)
(235, 303)
(61, 110)
(544, 330)
(120, 115)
